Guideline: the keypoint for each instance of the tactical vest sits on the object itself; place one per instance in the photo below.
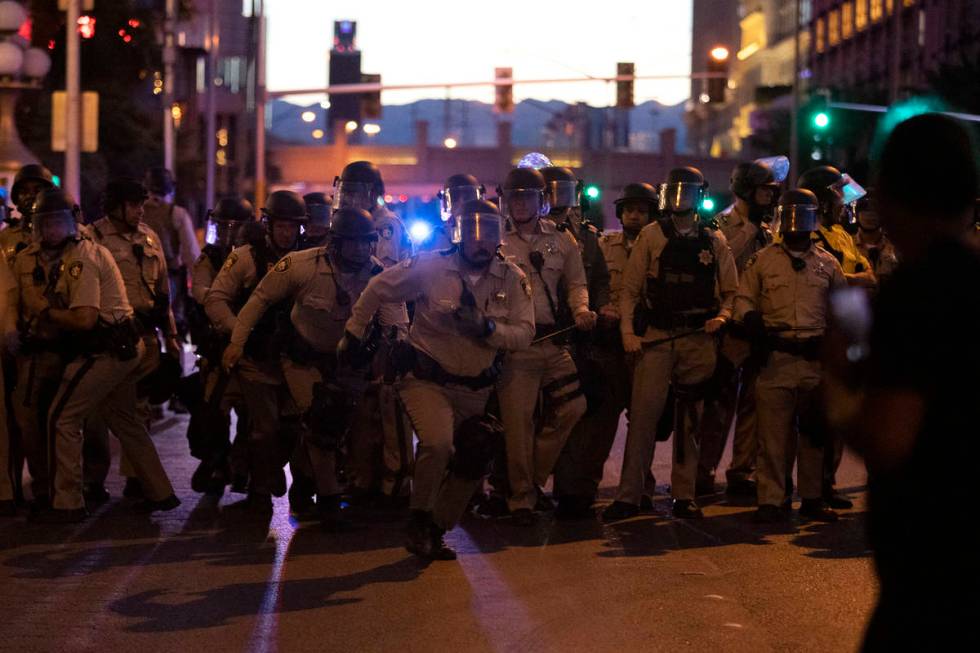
(216, 256)
(160, 218)
(683, 293)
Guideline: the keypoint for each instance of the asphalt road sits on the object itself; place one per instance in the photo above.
(204, 578)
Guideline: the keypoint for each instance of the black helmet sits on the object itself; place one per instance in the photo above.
(54, 200)
(524, 179)
(797, 211)
(359, 185)
(352, 224)
(749, 175)
(637, 192)
(31, 172)
(683, 190)
(122, 190)
(232, 209)
(527, 184)
(478, 221)
(820, 181)
(285, 205)
(160, 181)
(318, 208)
(459, 189)
(564, 188)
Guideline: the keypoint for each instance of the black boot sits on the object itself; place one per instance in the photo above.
(816, 510)
(201, 476)
(418, 539)
(686, 509)
(439, 549)
(574, 508)
(133, 489)
(619, 510)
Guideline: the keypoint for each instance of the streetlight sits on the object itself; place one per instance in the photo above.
(719, 53)
(450, 143)
(308, 116)
(371, 129)
(351, 126)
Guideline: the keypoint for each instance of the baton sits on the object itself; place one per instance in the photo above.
(553, 334)
(677, 336)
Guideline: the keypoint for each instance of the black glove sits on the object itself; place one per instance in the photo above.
(755, 327)
(351, 351)
(470, 321)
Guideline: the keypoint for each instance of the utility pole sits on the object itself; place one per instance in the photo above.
(895, 67)
(211, 118)
(794, 129)
(260, 100)
(73, 101)
(169, 58)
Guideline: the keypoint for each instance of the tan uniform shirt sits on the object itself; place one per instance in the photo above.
(8, 299)
(13, 239)
(237, 274)
(174, 222)
(434, 280)
(86, 275)
(394, 245)
(562, 260)
(644, 262)
(314, 284)
(787, 297)
(616, 248)
(145, 277)
(742, 235)
(202, 276)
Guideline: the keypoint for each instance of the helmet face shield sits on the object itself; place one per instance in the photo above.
(222, 233)
(523, 204)
(54, 228)
(681, 197)
(353, 195)
(478, 229)
(452, 199)
(562, 194)
(796, 218)
(849, 190)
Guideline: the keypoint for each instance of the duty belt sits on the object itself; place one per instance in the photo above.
(808, 348)
(427, 368)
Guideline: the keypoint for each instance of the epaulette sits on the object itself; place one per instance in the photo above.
(751, 261)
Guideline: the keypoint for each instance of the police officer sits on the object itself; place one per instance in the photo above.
(321, 283)
(680, 281)
(783, 301)
(175, 234)
(360, 186)
(28, 182)
(318, 227)
(579, 469)
(208, 428)
(746, 226)
(457, 191)
(469, 306)
(259, 373)
(872, 241)
(87, 304)
(829, 185)
(553, 264)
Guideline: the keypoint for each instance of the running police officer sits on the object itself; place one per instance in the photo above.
(678, 290)
(457, 191)
(317, 229)
(553, 264)
(360, 186)
(258, 372)
(470, 305)
(783, 302)
(87, 303)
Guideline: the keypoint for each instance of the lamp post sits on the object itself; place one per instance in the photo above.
(21, 67)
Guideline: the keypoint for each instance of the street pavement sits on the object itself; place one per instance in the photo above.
(206, 578)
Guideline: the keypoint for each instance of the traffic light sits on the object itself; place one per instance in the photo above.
(592, 192)
(624, 88)
(718, 64)
(708, 204)
(371, 101)
(504, 93)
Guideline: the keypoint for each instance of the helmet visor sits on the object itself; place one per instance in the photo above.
(319, 215)
(522, 204)
(778, 166)
(478, 228)
(54, 227)
(353, 195)
(680, 197)
(796, 217)
(452, 199)
(222, 233)
(849, 190)
(562, 194)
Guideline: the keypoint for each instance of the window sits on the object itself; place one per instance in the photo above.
(922, 28)
(820, 35)
(847, 20)
(861, 14)
(833, 27)
(877, 9)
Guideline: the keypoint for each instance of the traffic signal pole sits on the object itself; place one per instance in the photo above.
(794, 119)
(72, 181)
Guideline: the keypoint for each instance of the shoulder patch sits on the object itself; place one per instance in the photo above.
(230, 261)
(75, 269)
(526, 287)
(282, 265)
(752, 260)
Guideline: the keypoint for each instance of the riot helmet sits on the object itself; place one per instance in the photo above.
(755, 184)
(478, 231)
(522, 195)
(797, 211)
(318, 210)
(225, 221)
(28, 182)
(457, 191)
(564, 190)
(123, 200)
(160, 181)
(55, 213)
(352, 237)
(835, 192)
(637, 194)
(285, 214)
(359, 186)
(683, 191)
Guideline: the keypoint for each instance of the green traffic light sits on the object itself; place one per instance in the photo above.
(592, 192)
(708, 204)
(821, 120)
